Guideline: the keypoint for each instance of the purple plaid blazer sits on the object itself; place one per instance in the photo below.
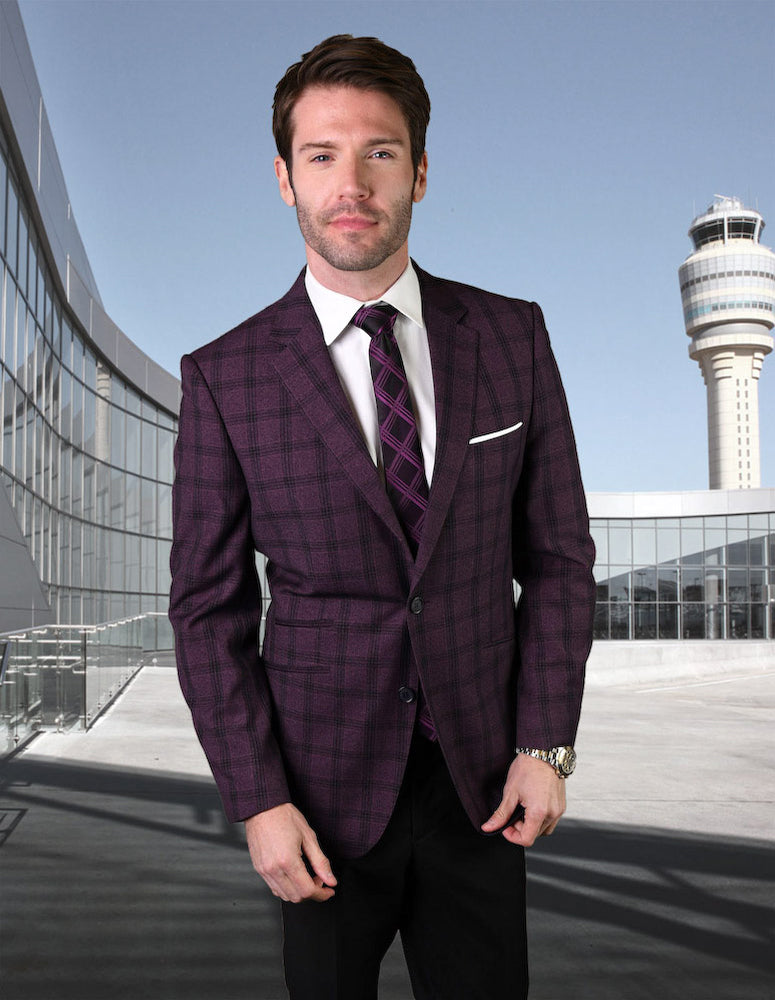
(270, 458)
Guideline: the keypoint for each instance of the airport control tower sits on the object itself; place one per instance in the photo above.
(728, 295)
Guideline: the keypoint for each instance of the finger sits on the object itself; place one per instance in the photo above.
(317, 859)
(524, 833)
(322, 891)
(296, 885)
(501, 816)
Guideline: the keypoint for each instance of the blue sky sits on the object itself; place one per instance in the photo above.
(570, 146)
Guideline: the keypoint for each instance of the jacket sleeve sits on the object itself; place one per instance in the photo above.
(215, 608)
(553, 556)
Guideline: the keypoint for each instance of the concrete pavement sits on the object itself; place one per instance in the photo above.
(120, 877)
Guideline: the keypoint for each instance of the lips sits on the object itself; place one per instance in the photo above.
(352, 222)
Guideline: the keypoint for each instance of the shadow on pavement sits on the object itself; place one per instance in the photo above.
(131, 884)
(628, 913)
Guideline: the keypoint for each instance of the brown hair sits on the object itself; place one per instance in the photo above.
(365, 63)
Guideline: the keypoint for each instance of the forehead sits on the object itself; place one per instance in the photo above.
(327, 113)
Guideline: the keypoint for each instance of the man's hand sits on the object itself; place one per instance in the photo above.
(534, 785)
(278, 840)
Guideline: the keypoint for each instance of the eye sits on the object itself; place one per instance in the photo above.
(382, 154)
(321, 158)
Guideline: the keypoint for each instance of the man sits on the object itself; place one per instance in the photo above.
(399, 449)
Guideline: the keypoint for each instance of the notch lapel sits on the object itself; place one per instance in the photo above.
(307, 371)
(454, 355)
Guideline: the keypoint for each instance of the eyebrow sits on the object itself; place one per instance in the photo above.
(330, 144)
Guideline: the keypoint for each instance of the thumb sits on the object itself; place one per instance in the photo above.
(498, 818)
(320, 863)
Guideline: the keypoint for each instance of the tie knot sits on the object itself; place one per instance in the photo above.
(376, 319)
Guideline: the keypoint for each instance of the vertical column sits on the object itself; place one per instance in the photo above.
(733, 417)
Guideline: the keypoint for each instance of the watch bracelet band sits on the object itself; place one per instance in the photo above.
(548, 756)
(532, 752)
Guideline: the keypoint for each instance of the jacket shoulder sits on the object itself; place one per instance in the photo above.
(474, 298)
(254, 334)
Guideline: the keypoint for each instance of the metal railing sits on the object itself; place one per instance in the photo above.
(62, 677)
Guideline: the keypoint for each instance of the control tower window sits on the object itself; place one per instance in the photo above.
(710, 232)
(741, 229)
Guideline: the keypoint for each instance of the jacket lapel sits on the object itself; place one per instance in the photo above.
(305, 368)
(304, 365)
(454, 354)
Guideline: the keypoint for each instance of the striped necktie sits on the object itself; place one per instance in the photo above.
(405, 480)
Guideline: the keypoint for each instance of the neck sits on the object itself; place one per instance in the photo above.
(361, 285)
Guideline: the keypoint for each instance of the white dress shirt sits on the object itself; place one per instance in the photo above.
(348, 346)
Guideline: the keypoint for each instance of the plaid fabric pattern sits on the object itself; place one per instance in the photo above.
(270, 457)
(401, 455)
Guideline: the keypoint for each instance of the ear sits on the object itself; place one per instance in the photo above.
(284, 181)
(421, 183)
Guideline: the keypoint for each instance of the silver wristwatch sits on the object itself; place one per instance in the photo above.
(562, 759)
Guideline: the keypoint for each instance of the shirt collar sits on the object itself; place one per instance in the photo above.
(335, 311)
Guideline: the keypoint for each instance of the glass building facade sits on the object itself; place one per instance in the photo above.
(695, 577)
(86, 458)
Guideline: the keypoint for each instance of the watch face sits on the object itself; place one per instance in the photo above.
(566, 759)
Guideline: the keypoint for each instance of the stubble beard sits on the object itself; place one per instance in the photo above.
(346, 253)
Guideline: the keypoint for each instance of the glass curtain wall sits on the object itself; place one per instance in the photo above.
(685, 578)
(86, 459)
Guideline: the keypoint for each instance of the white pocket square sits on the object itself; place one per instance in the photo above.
(495, 434)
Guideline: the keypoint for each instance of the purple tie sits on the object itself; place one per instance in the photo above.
(405, 479)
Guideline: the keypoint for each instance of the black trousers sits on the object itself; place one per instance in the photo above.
(457, 899)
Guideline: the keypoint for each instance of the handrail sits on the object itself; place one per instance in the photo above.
(64, 676)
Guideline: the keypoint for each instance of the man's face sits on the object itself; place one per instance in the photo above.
(353, 183)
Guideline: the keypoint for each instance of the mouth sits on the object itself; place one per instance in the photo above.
(352, 223)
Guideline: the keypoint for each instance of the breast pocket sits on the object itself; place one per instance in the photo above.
(490, 475)
(493, 435)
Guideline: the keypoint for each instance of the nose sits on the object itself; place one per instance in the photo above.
(354, 179)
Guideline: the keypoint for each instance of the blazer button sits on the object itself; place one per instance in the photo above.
(416, 606)
(406, 694)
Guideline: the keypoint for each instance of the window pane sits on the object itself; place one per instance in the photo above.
(117, 449)
(693, 620)
(600, 629)
(132, 444)
(668, 584)
(89, 421)
(738, 623)
(149, 450)
(668, 621)
(165, 511)
(645, 621)
(77, 412)
(620, 621)
(644, 550)
(620, 541)
(691, 544)
(148, 526)
(117, 510)
(132, 514)
(645, 584)
(166, 442)
(77, 483)
(117, 562)
(668, 544)
(619, 585)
